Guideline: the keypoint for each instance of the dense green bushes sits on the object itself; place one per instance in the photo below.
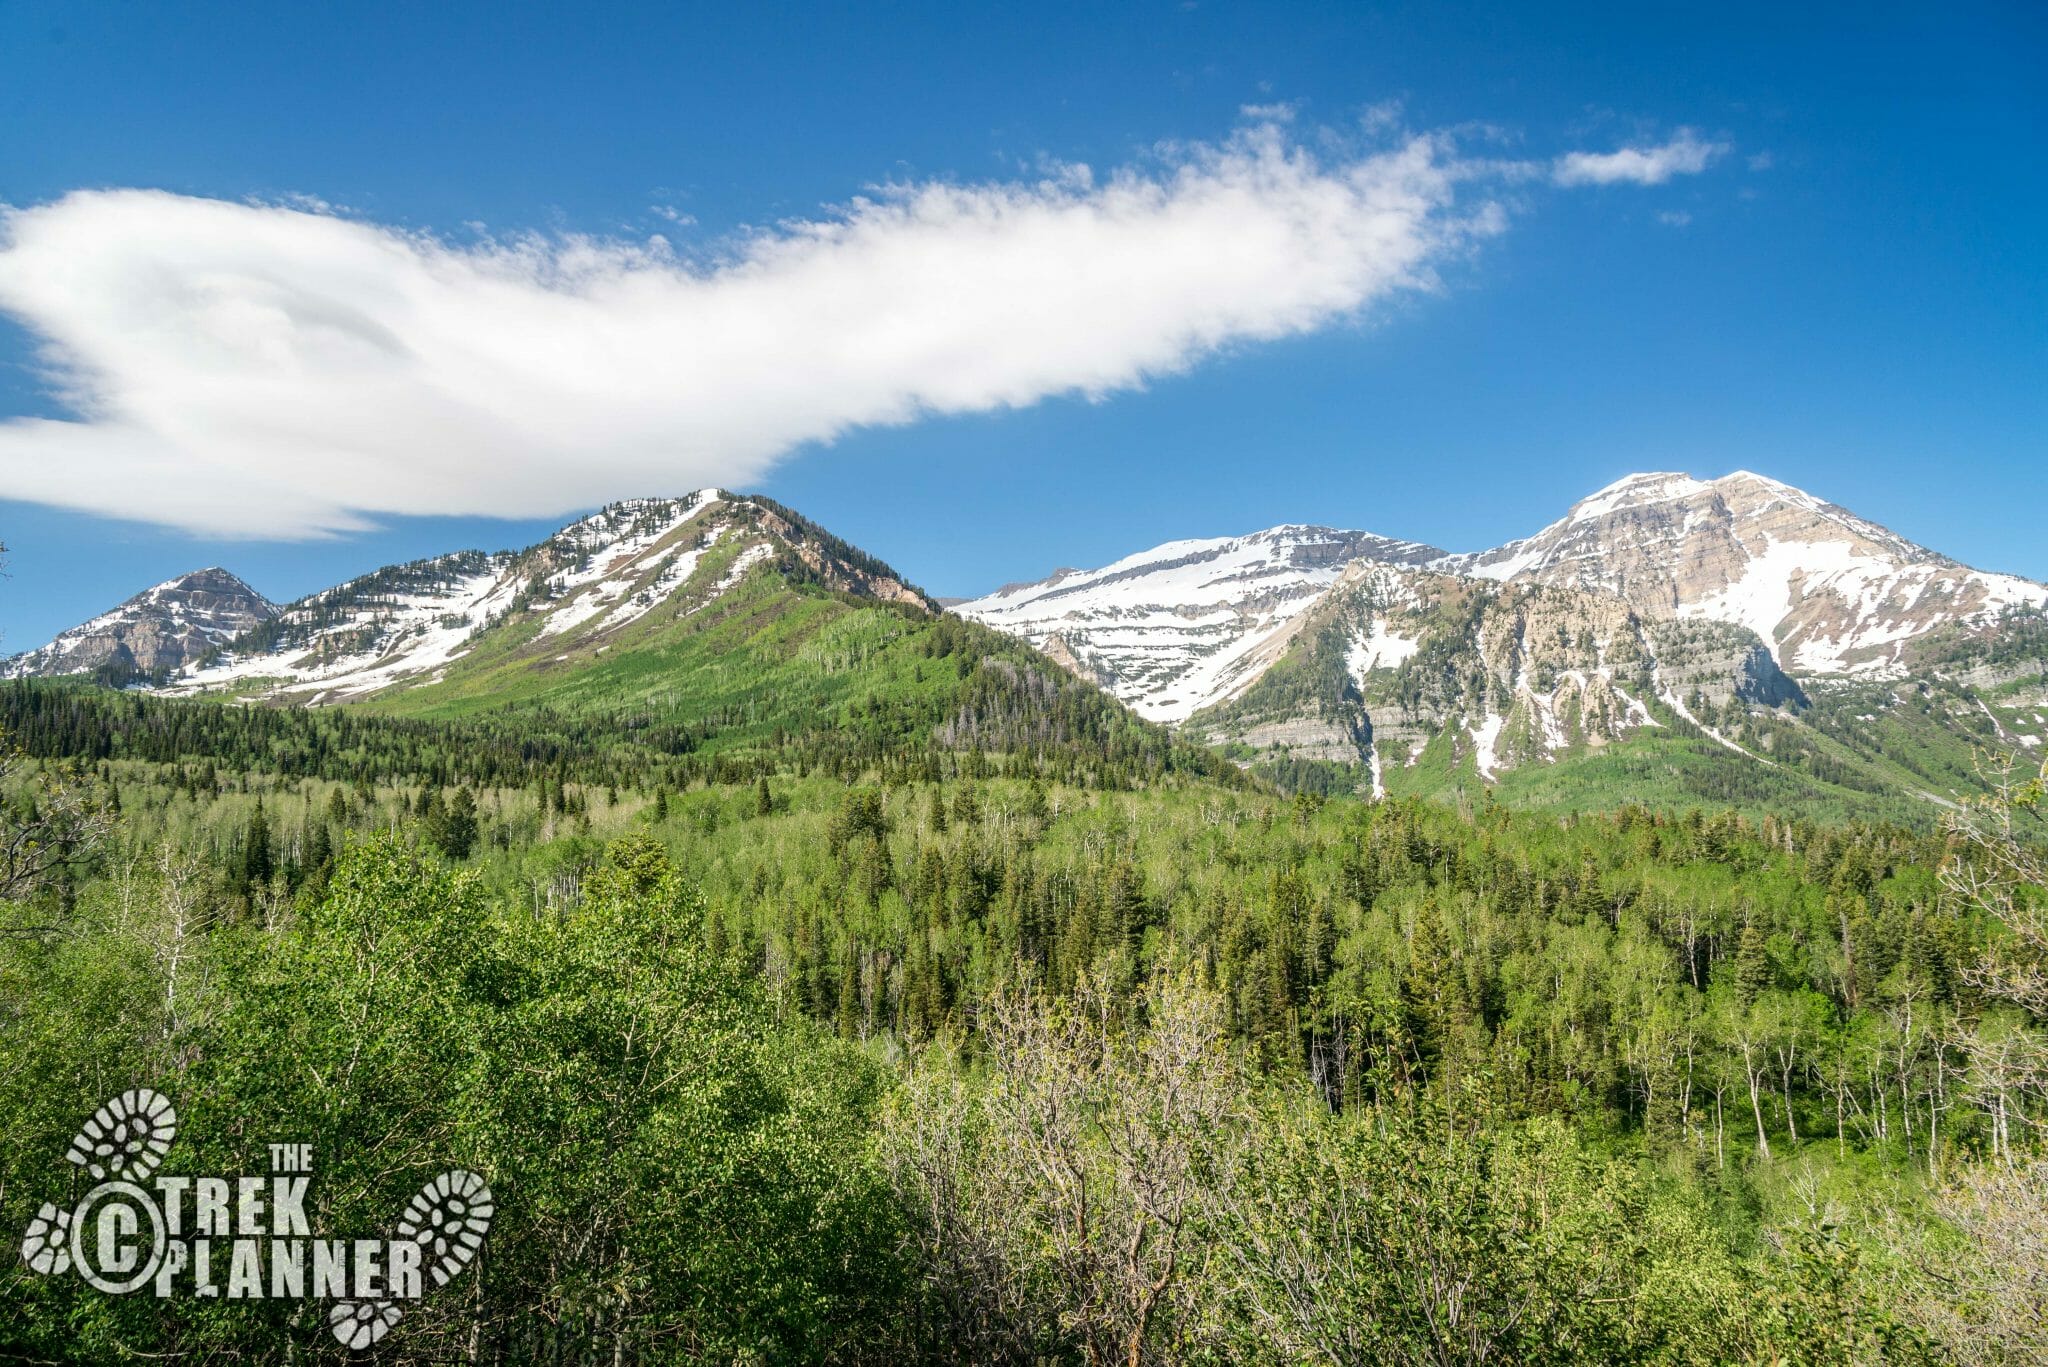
(676, 1172)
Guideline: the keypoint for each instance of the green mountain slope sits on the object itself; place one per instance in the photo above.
(721, 630)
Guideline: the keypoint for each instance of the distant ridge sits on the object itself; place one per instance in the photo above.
(1741, 610)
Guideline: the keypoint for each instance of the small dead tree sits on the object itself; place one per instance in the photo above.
(1062, 1201)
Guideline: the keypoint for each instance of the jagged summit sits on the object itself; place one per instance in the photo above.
(154, 633)
(1830, 592)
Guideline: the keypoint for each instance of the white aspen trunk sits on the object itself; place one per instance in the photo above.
(1763, 1144)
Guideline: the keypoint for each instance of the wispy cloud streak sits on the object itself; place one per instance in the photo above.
(1685, 154)
(283, 370)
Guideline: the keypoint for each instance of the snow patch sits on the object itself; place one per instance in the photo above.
(1382, 649)
(744, 561)
(1484, 736)
(1675, 703)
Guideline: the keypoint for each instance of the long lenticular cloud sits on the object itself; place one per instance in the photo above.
(274, 371)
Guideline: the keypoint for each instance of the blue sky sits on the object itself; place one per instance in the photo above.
(1848, 295)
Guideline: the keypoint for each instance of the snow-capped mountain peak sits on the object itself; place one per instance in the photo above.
(153, 633)
(1635, 491)
(1656, 592)
(1180, 626)
(1830, 592)
(603, 575)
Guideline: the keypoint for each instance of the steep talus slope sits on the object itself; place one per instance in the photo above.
(153, 634)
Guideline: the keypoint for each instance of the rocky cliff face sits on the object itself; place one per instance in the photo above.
(1392, 659)
(1718, 662)
(1831, 593)
(153, 634)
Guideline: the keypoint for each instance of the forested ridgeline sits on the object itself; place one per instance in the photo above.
(960, 1065)
(993, 717)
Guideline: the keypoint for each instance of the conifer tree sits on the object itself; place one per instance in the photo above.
(452, 825)
(256, 860)
(1752, 962)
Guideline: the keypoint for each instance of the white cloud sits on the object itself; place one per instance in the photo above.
(277, 370)
(1684, 155)
(1674, 218)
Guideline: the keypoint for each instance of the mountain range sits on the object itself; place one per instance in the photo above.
(1669, 638)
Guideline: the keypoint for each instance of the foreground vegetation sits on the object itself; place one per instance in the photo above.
(957, 1056)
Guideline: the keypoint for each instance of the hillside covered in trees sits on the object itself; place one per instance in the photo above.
(1069, 1045)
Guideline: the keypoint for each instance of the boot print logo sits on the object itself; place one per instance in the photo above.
(244, 1238)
